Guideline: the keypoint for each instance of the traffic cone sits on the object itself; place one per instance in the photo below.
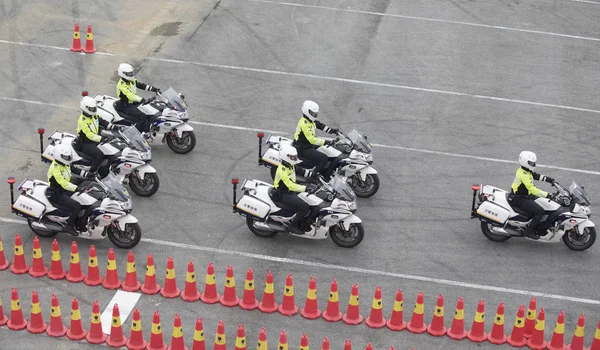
(229, 297)
(190, 292)
(537, 339)
(332, 313)
(262, 340)
(76, 331)
(89, 41)
(369, 347)
(457, 330)
(177, 342)
(111, 281)
(95, 335)
(93, 277)
(517, 337)
(199, 343)
(210, 295)
(396, 321)
(240, 339)
(76, 47)
(577, 342)
(249, 301)
(19, 266)
(311, 309)
(436, 327)
(268, 304)
(595, 342)
(170, 289)
(56, 269)
(325, 345)
(16, 321)
(288, 306)
(131, 283)
(36, 321)
(3, 318)
(352, 315)
(304, 342)
(3, 263)
(283, 343)
(220, 338)
(116, 339)
(136, 339)
(75, 274)
(417, 323)
(37, 262)
(558, 337)
(56, 328)
(477, 333)
(497, 336)
(150, 286)
(530, 320)
(156, 338)
(348, 345)
(375, 319)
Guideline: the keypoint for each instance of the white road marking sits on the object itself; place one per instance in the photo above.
(126, 302)
(52, 47)
(355, 270)
(587, 2)
(434, 19)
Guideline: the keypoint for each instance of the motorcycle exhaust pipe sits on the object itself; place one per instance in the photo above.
(47, 227)
(277, 227)
(505, 232)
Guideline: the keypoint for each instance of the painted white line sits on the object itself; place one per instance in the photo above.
(355, 270)
(431, 19)
(51, 47)
(235, 127)
(126, 302)
(587, 2)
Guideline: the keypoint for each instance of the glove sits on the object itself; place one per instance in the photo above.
(333, 131)
(552, 196)
(311, 188)
(549, 179)
(104, 139)
(328, 143)
(143, 101)
(154, 89)
(80, 189)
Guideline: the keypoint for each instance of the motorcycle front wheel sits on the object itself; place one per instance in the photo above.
(487, 231)
(580, 242)
(183, 144)
(366, 188)
(125, 239)
(251, 222)
(347, 238)
(144, 187)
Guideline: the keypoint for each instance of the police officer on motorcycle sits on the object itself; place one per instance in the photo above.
(129, 100)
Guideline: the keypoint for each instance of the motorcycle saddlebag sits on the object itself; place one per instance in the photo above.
(253, 206)
(492, 212)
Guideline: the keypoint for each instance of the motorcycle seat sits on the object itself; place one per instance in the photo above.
(275, 198)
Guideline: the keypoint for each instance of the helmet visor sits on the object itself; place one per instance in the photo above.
(128, 74)
(531, 164)
(293, 157)
(67, 157)
(313, 114)
(92, 109)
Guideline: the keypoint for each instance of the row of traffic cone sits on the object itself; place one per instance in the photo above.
(89, 40)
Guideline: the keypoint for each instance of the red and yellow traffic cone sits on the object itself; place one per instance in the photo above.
(156, 338)
(111, 281)
(36, 321)
(95, 335)
(417, 323)
(177, 342)
(136, 339)
(311, 309)
(89, 41)
(131, 283)
(210, 295)
(457, 330)
(497, 335)
(116, 339)
(333, 313)
(437, 327)
(477, 333)
(220, 338)
(76, 331)
(262, 340)
(530, 319)
(170, 289)
(369, 347)
(557, 342)
(3, 318)
(93, 277)
(240, 339)
(375, 319)
(577, 342)
(595, 342)
(304, 342)
(229, 297)
(537, 341)
(16, 321)
(352, 315)
(517, 337)
(150, 286)
(396, 321)
(283, 342)
(38, 269)
(325, 345)
(56, 269)
(249, 301)
(190, 292)
(288, 306)
(56, 328)
(75, 274)
(199, 343)
(19, 266)
(76, 47)
(348, 345)
(3, 262)
(268, 304)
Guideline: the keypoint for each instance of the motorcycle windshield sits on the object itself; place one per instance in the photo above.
(175, 99)
(137, 142)
(115, 188)
(579, 193)
(340, 184)
(360, 143)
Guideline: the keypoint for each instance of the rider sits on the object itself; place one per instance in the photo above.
(307, 142)
(128, 100)
(288, 189)
(525, 192)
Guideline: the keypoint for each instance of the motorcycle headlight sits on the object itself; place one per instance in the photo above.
(184, 116)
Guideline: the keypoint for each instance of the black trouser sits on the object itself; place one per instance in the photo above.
(91, 149)
(291, 199)
(142, 120)
(528, 204)
(318, 159)
(69, 203)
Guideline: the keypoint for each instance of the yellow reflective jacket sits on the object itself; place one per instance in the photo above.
(60, 175)
(126, 91)
(306, 133)
(88, 128)
(285, 179)
(523, 183)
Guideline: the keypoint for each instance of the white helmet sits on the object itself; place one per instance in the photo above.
(310, 109)
(288, 154)
(63, 153)
(88, 106)
(527, 160)
(125, 71)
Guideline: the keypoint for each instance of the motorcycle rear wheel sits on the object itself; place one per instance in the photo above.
(485, 228)
(347, 238)
(260, 233)
(573, 243)
(116, 235)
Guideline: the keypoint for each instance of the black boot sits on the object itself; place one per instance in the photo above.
(530, 233)
(71, 230)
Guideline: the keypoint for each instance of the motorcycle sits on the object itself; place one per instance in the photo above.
(567, 216)
(352, 152)
(331, 213)
(126, 155)
(168, 113)
(105, 211)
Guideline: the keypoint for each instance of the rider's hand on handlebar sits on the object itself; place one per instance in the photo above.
(311, 188)
(549, 180)
(333, 131)
(328, 143)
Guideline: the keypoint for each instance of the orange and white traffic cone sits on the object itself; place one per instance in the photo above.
(199, 342)
(288, 306)
(436, 327)
(38, 269)
(517, 337)
(131, 283)
(95, 335)
(268, 304)
(93, 277)
(396, 321)
(190, 292)
(111, 281)
(116, 339)
(417, 322)
(220, 338)
(76, 47)
(170, 289)
(249, 301)
(497, 335)
(177, 342)
(311, 309)
(229, 297)
(150, 286)
(156, 337)
(333, 313)
(457, 330)
(3, 318)
(283, 342)
(240, 339)
(375, 319)
(577, 342)
(89, 41)
(75, 274)
(595, 342)
(56, 269)
(76, 331)
(530, 319)
(136, 339)
(210, 295)
(537, 341)
(352, 315)
(477, 333)
(304, 342)
(557, 342)
(325, 345)
(19, 266)
(36, 321)
(262, 340)
(16, 321)
(3, 262)
(56, 328)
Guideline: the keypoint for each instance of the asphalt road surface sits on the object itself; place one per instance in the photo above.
(448, 91)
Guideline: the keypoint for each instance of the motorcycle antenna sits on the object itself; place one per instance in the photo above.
(11, 181)
(41, 132)
(260, 136)
(235, 181)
